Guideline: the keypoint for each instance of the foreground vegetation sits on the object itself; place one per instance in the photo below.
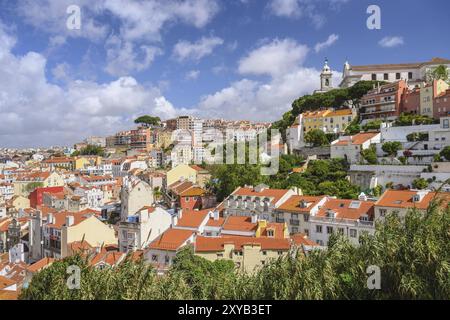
(413, 256)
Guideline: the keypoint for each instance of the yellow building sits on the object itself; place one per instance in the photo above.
(91, 230)
(82, 162)
(19, 202)
(164, 139)
(428, 92)
(44, 179)
(329, 121)
(314, 120)
(338, 120)
(181, 172)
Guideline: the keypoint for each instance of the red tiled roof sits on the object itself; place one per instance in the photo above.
(293, 204)
(404, 199)
(344, 210)
(357, 139)
(41, 264)
(192, 219)
(171, 240)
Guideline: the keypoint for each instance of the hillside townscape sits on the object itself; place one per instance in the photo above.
(345, 196)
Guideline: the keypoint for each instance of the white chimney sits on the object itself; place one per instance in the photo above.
(216, 215)
(70, 220)
(180, 213)
(50, 218)
(254, 218)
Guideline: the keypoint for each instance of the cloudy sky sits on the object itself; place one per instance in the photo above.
(233, 59)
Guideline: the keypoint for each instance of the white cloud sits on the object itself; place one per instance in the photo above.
(192, 75)
(35, 112)
(275, 58)
(329, 42)
(123, 58)
(390, 42)
(265, 100)
(185, 50)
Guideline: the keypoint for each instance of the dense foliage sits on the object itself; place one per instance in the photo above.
(316, 138)
(409, 119)
(391, 148)
(445, 153)
(370, 155)
(321, 177)
(412, 254)
(90, 150)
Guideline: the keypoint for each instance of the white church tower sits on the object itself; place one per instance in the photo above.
(326, 79)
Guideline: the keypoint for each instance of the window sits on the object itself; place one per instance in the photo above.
(329, 230)
(386, 76)
(154, 257)
(280, 253)
(306, 217)
(307, 232)
(319, 229)
(353, 233)
(397, 76)
(374, 76)
(264, 253)
(320, 242)
(167, 259)
(446, 124)
(410, 75)
(341, 230)
(294, 230)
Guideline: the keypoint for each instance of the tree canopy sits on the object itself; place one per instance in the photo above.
(391, 148)
(148, 120)
(316, 138)
(90, 150)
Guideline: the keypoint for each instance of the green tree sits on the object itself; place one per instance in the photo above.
(90, 150)
(440, 73)
(370, 155)
(148, 120)
(373, 125)
(30, 187)
(420, 183)
(316, 138)
(409, 119)
(445, 153)
(391, 148)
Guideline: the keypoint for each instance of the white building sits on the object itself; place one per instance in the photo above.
(351, 218)
(350, 147)
(414, 73)
(140, 229)
(135, 194)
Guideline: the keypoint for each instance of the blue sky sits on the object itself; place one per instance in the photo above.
(236, 59)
